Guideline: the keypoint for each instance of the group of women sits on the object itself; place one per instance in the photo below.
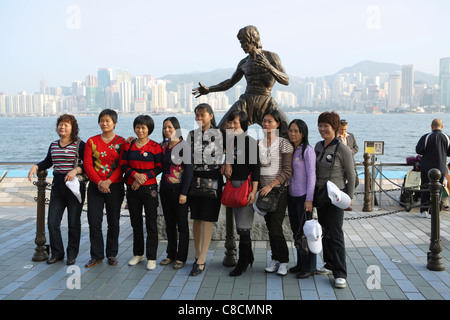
(192, 172)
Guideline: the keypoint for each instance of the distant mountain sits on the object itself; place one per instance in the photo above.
(372, 68)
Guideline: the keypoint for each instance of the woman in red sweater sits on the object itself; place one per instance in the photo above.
(101, 162)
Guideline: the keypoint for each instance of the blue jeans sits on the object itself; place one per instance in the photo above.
(97, 201)
(297, 218)
(61, 198)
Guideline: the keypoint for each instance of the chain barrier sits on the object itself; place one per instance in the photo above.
(415, 189)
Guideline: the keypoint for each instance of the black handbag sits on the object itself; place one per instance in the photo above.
(300, 240)
(204, 188)
(269, 203)
(321, 193)
(82, 177)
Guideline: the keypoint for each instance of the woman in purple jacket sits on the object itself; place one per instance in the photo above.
(301, 191)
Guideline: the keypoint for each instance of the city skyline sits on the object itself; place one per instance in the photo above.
(61, 41)
(365, 87)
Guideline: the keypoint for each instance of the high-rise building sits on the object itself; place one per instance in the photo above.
(159, 96)
(394, 92)
(104, 76)
(126, 96)
(407, 91)
(139, 86)
(444, 81)
(91, 81)
(185, 96)
(43, 86)
(95, 98)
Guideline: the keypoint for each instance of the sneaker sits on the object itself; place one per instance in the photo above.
(340, 283)
(135, 260)
(273, 266)
(282, 269)
(151, 264)
(423, 214)
(323, 271)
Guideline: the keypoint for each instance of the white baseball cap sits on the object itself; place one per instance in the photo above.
(313, 232)
(338, 198)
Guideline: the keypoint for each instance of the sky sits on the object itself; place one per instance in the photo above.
(64, 40)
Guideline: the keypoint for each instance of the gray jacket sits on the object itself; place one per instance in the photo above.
(343, 169)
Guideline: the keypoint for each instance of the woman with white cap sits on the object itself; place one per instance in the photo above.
(335, 163)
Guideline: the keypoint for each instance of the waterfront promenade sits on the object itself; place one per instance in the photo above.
(386, 260)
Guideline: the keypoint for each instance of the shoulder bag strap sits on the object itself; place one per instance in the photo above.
(334, 158)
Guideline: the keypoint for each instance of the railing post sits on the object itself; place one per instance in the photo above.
(40, 253)
(367, 207)
(434, 258)
(230, 245)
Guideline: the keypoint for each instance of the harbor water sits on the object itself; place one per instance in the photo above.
(28, 138)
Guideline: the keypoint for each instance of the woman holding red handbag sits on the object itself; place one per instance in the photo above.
(243, 169)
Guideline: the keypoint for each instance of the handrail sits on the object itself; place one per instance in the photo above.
(17, 163)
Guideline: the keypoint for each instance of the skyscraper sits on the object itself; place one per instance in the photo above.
(126, 96)
(104, 76)
(394, 92)
(407, 90)
(444, 81)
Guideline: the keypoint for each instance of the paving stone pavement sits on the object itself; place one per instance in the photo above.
(386, 260)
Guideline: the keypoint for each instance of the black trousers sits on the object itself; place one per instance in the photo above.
(331, 218)
(425, 190)
(177, 227)
(297, 219)
(274, 223)
(145, 197)
(97, 201)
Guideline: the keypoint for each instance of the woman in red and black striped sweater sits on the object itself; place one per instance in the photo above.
(101, 163)
(141, 163)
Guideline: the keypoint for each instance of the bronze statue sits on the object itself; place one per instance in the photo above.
(261, 70)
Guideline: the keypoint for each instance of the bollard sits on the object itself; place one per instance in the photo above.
(434, 258)
(40, 253)
(230, 245)
(367, 207)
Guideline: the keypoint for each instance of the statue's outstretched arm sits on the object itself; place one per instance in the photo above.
(223, 86)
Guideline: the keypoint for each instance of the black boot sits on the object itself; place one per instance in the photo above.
(298, 267)
(245, 256)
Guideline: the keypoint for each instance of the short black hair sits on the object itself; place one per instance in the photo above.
(145, 120)
(243, 118)
(108, 112)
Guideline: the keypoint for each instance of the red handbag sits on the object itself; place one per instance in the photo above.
(236, 197)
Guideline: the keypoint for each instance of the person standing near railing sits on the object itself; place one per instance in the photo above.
(61, 155)
(434, 148)
(331, 217)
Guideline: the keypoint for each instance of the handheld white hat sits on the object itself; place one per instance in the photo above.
(313, 233)
(338, 198)
(74, 186)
